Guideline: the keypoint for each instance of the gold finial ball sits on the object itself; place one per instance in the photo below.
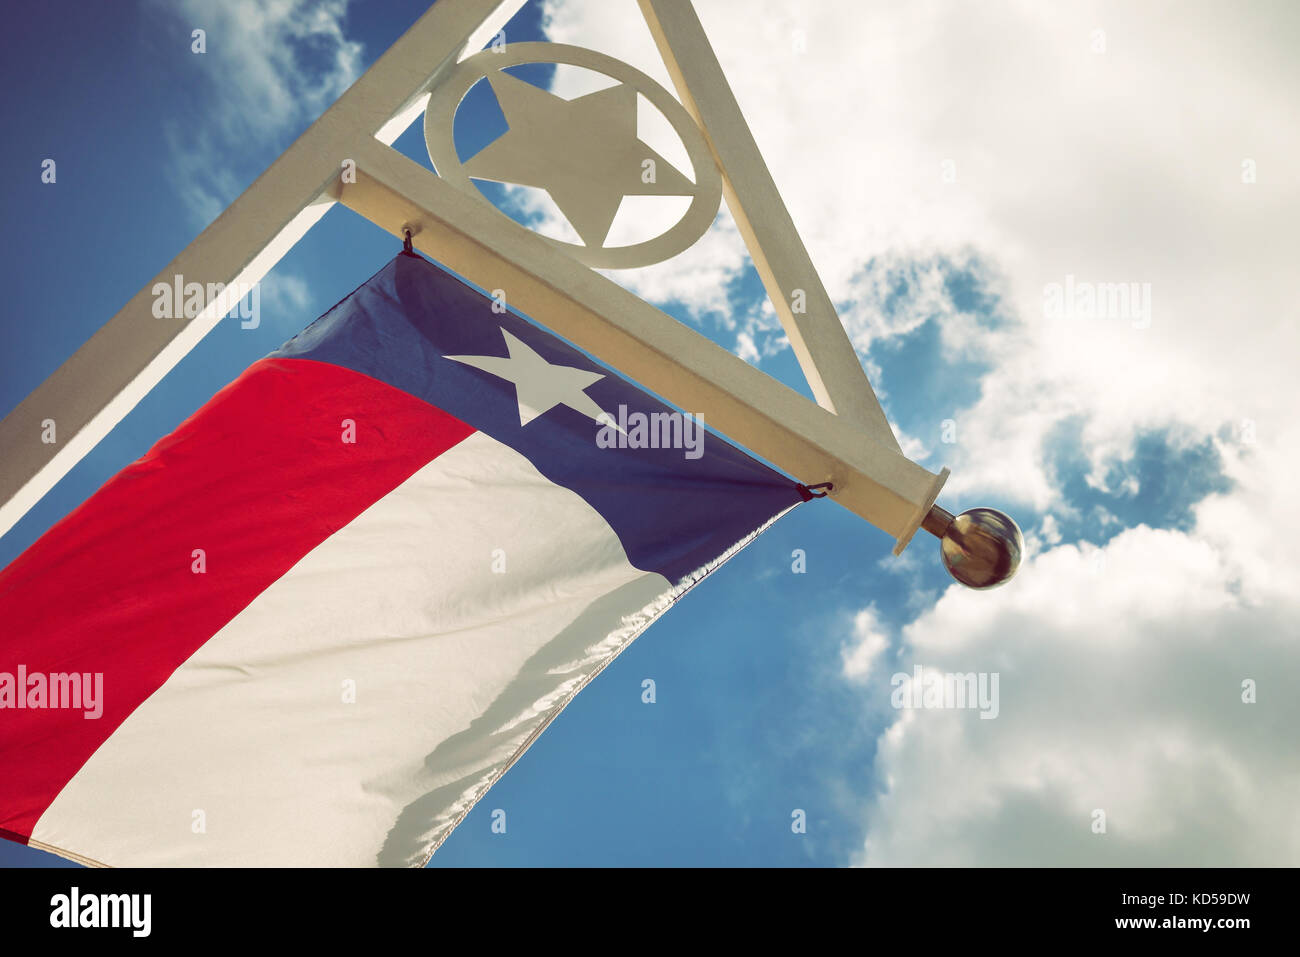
(981, 548)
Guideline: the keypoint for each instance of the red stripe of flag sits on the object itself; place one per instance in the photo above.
(256, 478)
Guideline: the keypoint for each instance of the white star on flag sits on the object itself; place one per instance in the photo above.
(539, 385)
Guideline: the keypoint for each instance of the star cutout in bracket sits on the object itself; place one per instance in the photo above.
(584, 152)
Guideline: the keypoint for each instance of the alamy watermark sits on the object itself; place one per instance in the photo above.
(179, 299)
(652, 430)
(931, 689)
(1123, 301)
(75, 909)
(59, 689)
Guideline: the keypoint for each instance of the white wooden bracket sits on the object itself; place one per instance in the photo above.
(843, 438)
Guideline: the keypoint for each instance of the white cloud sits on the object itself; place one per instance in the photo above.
(869, 643)
(911, 446)
(273, 66)
(1114, 167)
(1121, 667)
(1120, 687)
(877, 309)
(278, 61)
(286, 300)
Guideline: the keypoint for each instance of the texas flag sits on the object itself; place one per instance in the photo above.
(314, 624)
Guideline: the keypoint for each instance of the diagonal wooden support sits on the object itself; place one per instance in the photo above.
(816, 335)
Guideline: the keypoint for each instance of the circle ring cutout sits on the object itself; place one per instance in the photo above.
(446, 98)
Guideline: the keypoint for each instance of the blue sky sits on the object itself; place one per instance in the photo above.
(773, 686)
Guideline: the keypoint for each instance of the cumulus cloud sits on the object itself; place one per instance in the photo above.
(273, 67)
(869, 643)
(1121, 685)
(1115, 166)
(1023, 147)
(286, 301)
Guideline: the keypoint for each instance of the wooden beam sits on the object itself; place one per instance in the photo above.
(95, 388)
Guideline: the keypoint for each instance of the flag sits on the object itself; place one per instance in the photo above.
(314, 624)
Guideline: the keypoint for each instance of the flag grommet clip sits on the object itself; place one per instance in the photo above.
(408, 230)
(809, 492)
